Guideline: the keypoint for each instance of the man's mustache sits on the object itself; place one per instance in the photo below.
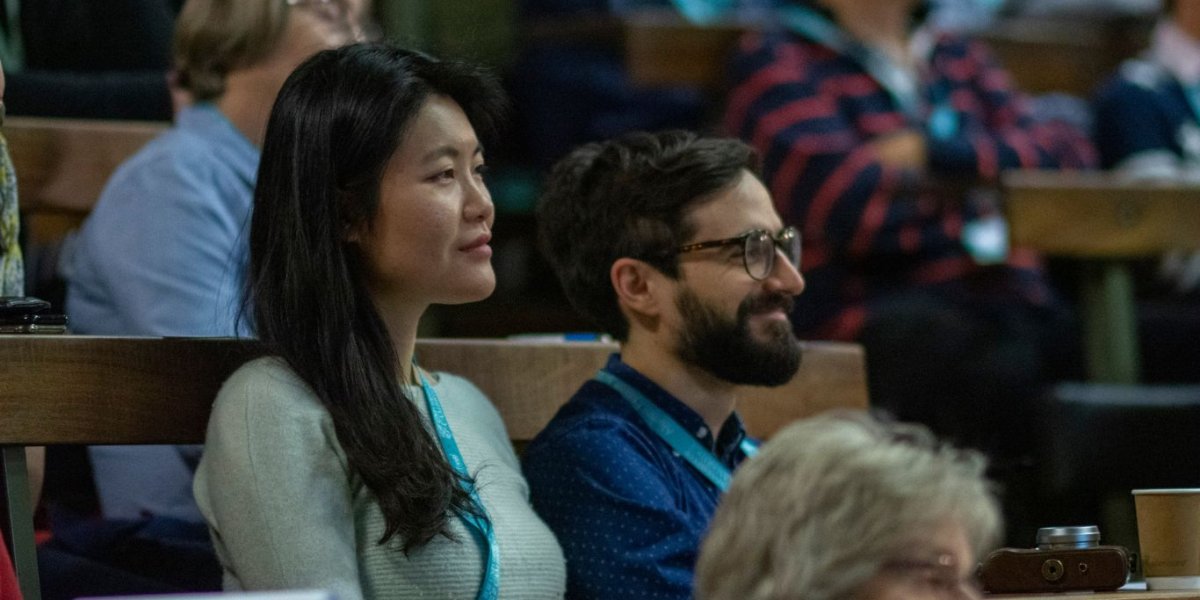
(767, 302)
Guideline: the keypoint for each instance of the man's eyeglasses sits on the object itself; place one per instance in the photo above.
(758, 249)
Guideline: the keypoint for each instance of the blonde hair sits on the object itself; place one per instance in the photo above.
(214, 37)
(829, 500)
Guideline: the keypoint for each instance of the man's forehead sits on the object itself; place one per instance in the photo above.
(737, 208)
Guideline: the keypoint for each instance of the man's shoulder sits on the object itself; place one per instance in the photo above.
(177, 164)
(594, 451)
(592, 426)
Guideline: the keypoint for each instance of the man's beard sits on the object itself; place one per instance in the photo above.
(728, 349)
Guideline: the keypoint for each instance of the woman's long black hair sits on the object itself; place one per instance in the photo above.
(336, 123)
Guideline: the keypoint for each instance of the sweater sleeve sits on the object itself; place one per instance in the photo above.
(275, 489)
(999, 130)
(820, 168)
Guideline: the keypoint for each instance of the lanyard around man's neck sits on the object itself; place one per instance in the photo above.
(671, 432)
(478, 523)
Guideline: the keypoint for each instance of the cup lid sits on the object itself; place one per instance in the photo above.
(1166, 491)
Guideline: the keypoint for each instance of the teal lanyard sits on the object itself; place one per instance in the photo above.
(1192, 93)
(479, 524)
(674, 435)
(703, 12)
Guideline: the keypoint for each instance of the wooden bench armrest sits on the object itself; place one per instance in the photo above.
(1100, 215)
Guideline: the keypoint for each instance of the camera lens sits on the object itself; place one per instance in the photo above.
(1060, 538)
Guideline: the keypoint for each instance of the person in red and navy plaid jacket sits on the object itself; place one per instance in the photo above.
(879, 140)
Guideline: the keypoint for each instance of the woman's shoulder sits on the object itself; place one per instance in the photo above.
(462, 392)
(266, 386)
(458, 385)
(460, 395)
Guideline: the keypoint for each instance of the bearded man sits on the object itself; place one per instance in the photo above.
(671, 244)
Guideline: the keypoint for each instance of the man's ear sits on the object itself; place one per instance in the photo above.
(638, 286)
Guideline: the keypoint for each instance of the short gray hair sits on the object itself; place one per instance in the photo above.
(829, 500)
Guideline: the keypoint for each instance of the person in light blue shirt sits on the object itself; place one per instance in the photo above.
(163, 252)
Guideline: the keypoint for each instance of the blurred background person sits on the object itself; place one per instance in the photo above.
(1148, 116)
(164, 250)
(12, 283)
(843, 506)
(1148, 128)
(12, 268)
(880, 140)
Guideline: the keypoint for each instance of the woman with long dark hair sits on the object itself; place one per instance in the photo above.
(336, 462)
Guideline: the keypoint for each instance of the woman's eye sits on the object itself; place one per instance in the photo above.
(481, 170)
(446, 175)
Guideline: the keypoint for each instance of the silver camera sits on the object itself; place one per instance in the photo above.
(1065, 559)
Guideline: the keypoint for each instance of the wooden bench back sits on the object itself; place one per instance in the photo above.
(528, 382)
(107, 390)
(1044, 55)
(62, 166)
(832, 375)
(1110, 216)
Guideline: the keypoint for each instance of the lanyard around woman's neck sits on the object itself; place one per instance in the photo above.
(671, 432)
(477, 522)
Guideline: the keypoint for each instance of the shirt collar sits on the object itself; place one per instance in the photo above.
(726, 442)
(208, 121)
(1177, 52)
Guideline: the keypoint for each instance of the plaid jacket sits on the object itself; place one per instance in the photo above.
(871, 230)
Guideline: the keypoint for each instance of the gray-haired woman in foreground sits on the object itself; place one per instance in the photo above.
(844, 507)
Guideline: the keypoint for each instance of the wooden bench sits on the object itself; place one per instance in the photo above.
(63, 164)
(1104, 220)
(1125, 595)
(1066, 53)
(1043, 54)
(97, 390)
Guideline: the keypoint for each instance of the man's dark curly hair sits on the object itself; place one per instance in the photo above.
(627, 198)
